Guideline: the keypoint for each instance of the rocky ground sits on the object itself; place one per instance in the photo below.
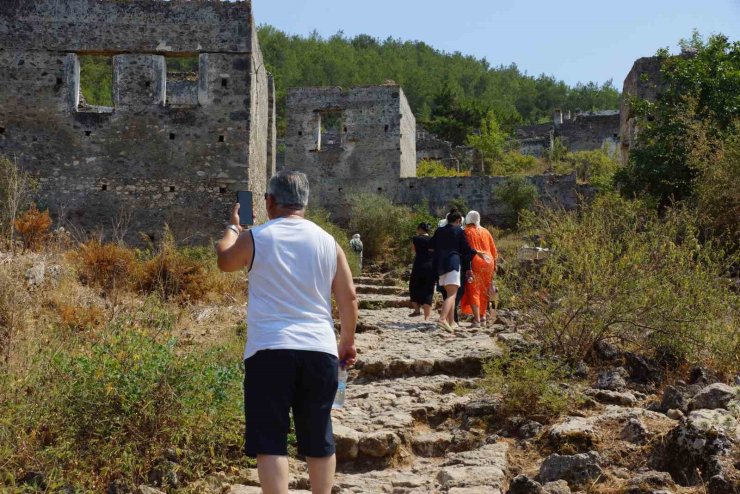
(414, 421)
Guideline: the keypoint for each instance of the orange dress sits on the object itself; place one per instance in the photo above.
(476, 293)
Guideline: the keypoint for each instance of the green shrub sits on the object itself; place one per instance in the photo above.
(513, 162)
(595, 167)
(620, 272)
(86, 415)
(518, 195)
(434, 168)
(322, 218)
(530, 386)
(382, 225)
(387, 229)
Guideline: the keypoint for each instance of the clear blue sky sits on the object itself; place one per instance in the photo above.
(574, 40)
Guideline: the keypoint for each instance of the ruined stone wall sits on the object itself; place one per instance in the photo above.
(643, 81)
(583, 132)
(376, 143)
(587, 132)
(271, 129)
(165, 152)
(479, 193)
(534, 140)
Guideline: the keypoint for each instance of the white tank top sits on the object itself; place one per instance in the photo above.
(290, 288)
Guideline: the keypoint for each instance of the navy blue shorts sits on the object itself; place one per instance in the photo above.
(276, 381)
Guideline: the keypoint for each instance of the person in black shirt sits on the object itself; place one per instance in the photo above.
(423, 275)
(452, 254)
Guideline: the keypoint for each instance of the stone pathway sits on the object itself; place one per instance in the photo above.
(404, 429)
(413, 422)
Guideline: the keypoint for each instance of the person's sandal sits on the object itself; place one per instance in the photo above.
(475, 325)
(415, 314)
(444, 326)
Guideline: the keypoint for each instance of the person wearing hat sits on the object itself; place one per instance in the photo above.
(356, 244)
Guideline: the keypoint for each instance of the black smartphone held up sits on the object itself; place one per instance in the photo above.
(246, 215)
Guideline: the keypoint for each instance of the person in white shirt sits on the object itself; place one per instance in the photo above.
(292, 356)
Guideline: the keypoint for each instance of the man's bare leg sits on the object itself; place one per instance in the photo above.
(273, 474)
(427, 311)
(448, 306)
(321, 473)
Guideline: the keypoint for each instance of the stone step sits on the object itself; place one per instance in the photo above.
(371, 280)
(485, 471)
(377, 302)
(406, 347)
(380, 290)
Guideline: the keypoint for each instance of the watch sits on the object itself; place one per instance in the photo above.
(234, 229)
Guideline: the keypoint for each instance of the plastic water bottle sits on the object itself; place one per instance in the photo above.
(341, 386)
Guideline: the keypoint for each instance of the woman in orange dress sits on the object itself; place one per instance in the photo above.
(476, 297)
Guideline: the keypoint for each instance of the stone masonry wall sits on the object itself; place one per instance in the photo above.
(583, 132)
(643, 81)
(376, 145)
(589, 132)
(173, 153)
(478, 192)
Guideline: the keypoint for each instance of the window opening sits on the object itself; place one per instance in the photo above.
(183, 73)
(172, 188)
(96, 83)
(221, 139)
(104, 187)
(172, 136)
(88, 132)
(330, 125)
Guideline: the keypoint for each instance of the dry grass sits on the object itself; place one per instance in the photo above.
(33, 227)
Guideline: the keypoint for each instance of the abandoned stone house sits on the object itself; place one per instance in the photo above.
(583, 131)
(362, 140)
(643, 81)
(170, 150)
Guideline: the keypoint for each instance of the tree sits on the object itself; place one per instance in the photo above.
(699, 103)
(490, 142)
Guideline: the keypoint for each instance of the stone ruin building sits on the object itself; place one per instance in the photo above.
(584, 131)
(167, 151)
(362, 140)
(643, 81)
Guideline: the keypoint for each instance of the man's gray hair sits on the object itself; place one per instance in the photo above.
(289, 189)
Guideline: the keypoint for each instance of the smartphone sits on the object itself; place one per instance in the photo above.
(246, 215)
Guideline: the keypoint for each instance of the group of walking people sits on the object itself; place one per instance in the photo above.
(461, 263)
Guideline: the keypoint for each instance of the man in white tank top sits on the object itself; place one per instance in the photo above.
(291, 357)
